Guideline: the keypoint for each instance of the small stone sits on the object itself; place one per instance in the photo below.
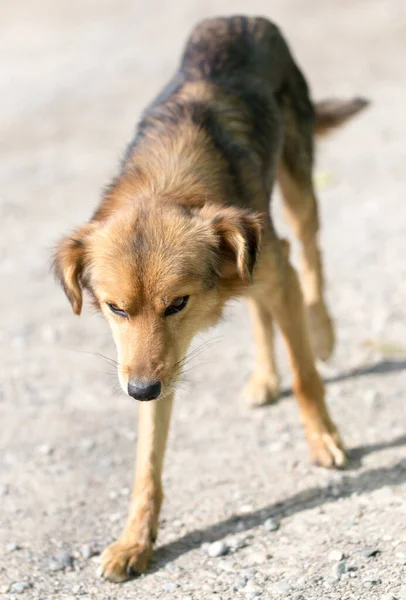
(257, 558)
(371, 398)
(177, 523)
(61, 562)
(170, 586)
(217, 549)
(18, 587)
(3, 490)
(249, 573)
(87, 444)
(4, 589)
(401, 558)
(283, 588)
(335, 556)
(388, 597)
(371, 582)
(226, 566)
(236, 544)
(240, 583)
(46, 449)
(340, 569)
(87, 551)
(115, 517)
(271, 525)
(251, 591)
(12, 547)
(370, 552)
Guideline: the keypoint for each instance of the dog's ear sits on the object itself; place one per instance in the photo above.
(238, 234)
(69, 263)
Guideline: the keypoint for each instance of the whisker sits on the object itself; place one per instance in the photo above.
(197, 351)
(112, 361)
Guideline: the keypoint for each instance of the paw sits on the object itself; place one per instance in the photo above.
(321, 330)
(120, 561)
(260, 391)
(327, 450)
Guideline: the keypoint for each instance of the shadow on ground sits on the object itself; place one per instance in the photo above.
(382, 367)
(368, 481)
(365, 482)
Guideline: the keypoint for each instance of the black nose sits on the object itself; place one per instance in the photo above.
(144, 390)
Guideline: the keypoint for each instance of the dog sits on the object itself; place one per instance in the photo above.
(185, 227)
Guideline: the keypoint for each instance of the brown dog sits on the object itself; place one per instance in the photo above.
(185, 227)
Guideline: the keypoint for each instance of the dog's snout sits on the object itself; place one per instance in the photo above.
(144, 390)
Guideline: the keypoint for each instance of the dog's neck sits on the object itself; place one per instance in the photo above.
(181, 165)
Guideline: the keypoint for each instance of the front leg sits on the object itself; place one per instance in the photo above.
(131, 554)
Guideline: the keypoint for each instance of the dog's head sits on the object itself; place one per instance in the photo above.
(159, 272)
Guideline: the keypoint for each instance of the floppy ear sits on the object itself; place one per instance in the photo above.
(68, 266)
(238, 232)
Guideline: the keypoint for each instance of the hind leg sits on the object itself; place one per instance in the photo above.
(263, 386)
(295, 179)
(301, 211)
(279, 294)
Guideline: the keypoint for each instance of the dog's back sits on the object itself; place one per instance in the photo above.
(237, 48)
(230, 83)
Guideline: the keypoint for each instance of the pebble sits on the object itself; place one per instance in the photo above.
(371, 582)
(61, 562)
(87, 551)
(18, 587)
(3, 490)
(12, 547)
(340, 569)
(87, 444)
(257, 558)
(240, 583)
(283, 588)
(371, 398)
(170, 586)
(115, 517)
(46, 449)
(370, 552)
(249, 573)
(217, 549)
(271, 524)
(226, 566)
(335, 556)
(236, 544)
(251, 591)
(401, 558)
(388, 597)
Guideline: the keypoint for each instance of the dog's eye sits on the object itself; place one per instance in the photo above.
(117, 311)
(176, 306)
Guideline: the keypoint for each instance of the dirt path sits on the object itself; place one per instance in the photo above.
(74, 77)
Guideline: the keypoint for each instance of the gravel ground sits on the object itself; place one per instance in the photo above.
(245, 516)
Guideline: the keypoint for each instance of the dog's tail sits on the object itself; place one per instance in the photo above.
(333, 113)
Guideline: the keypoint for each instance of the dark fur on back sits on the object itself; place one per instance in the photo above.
(248, 73)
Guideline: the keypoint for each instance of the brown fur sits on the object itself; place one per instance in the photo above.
(188, 216)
